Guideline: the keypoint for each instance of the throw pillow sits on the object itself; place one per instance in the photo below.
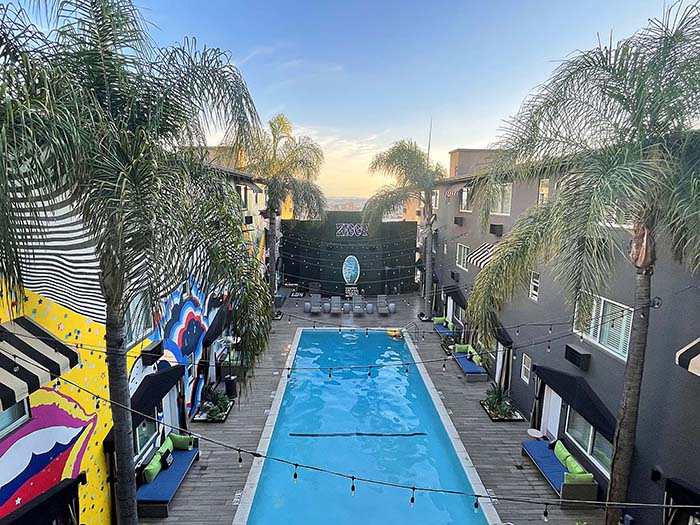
(152, 469)
(166, 459)
(578, 477)
(573, 466)
(182, 441)
(561, 453)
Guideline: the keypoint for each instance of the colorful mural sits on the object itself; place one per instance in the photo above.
(67, 428)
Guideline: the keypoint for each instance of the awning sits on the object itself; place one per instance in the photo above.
(500, 333)
(482, 255)
(254, 187)
(458, 297)
(454, 189)
(152, 353)
(153, 388)
(689, 357)
(217, 324)
(50, 506)
(40, 358)
(581, 397)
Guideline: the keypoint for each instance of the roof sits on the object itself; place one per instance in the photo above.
(455, 180)
(472, 149)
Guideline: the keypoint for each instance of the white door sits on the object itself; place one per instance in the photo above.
(450, 308)
(551, 410)
(500, 355)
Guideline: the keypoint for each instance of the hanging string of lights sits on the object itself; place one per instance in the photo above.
(354, 479)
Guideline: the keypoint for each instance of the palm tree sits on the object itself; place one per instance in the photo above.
(614, 126)
(123, 135)
(289, 167)
(415, 178)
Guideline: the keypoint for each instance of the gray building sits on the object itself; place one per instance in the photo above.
(577, 377)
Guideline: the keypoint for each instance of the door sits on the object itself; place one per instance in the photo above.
(500, 355)
(450, 308)
(551, 411)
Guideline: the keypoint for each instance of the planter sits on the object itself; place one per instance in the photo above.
(516, 417)
(203, 417)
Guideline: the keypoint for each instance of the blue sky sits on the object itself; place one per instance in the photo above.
(358, 75)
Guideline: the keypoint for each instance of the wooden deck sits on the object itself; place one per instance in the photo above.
(210, 492)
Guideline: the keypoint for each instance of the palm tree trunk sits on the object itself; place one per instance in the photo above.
(272, 247)
(625, 434)
(123, 432)
(428, 216)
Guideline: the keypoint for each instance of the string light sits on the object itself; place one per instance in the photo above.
(352, 486)
(330, 373)
(295, 476)
(517, 330)
(369, 372)
(413, 495)
(476, 505)
(549, 346)
(444, 366)
(423, 335)
(289, 319)
(366, 332)
(340, 328)
(240, 459)
(545, 514)
(15, 368)
(406, 368)
(550, 328)
(289, 373)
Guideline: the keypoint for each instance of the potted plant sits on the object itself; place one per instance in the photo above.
(498, 406)
(447, 343)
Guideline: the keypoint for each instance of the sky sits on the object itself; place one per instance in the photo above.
(357, 75)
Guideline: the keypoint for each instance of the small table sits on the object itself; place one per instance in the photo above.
(535, 433)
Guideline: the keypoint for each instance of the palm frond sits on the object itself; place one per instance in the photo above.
(386, 200)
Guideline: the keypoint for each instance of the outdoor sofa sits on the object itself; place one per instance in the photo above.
(158, 489)
(336, 305)
(471, 363)
(566, 476)
(382, 305)
(316, 306)
(358, 304)
(442, 330)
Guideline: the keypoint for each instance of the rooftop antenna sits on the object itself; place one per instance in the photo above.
(430, 136)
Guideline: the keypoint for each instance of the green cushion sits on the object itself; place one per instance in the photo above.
(561, 453)
(477, 359)
(181, 441)
(439, 320)
(167, 445)
(152, 469)
(578, 477)
(463, 348)
(450, 325)
(573, 466)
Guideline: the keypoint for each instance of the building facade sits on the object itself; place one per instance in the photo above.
(573, 380)
(55, 430)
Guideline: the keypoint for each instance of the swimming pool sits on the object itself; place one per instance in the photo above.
(403, 438)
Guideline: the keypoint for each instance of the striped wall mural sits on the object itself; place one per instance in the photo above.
(63, 266)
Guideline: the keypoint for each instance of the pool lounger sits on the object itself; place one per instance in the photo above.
(382, 305)
(336, 306)
(358, 305)
(316, 306)
(474, 372)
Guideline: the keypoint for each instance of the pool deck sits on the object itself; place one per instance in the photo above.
(211, 492)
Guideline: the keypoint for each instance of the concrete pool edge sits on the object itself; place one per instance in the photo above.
(247, 498)
(251, 483)
(487, 507)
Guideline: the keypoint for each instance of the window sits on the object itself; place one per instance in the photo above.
(526, 368)
(433, 248)
(465, 199)
(190, 366)
(462, 254)
(144, 435)
(543, 192)
(610, 326)
(534, 293)
(596, 447)
(243, 194)
(435, 199)
(501, 203)
(458, 314)
(444, 247)
(137, 320)
(14, 417)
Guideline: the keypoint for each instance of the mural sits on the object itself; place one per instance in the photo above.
(183, 328)
(67, 427)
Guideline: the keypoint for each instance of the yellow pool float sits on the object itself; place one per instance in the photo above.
(395, 334)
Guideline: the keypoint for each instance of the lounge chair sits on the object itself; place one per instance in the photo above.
(382, 305)
(441, 329)
(336, 305)
(358, 304)
(470, 363)
(316, 306)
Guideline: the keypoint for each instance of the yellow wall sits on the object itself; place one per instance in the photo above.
(287, 211)
(87, 453)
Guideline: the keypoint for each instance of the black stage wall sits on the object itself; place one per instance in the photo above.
(312, 254)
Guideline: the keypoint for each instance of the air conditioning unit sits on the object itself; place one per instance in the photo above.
(248, 219)
(496, 229)
(459, 221)
(455, 276)
(578, 357)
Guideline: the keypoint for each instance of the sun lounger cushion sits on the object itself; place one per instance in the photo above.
(165, 485)
(468, 366)
(574, 466)
(578, 477)
(443, 330)
(439, 320)
(561, 452)
(547, 462)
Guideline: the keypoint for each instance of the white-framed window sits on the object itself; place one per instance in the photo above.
(543, 192)
(144, 435)
(242, 190)
(14, 417)
(501, 203)
(435, 199)
(465, 199)
(534, 292)
(444, 247)
(526, 368)
(595, 446)
(462, 254)
(610, 326)
(458, 314)
(190, 365)
(138, 322)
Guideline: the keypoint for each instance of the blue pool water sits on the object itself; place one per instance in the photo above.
(350, 402)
